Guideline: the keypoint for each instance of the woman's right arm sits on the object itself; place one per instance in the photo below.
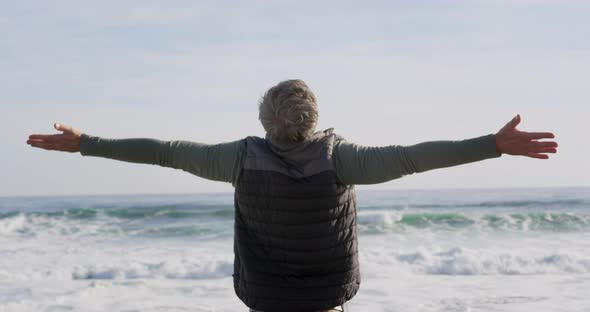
(357, 164)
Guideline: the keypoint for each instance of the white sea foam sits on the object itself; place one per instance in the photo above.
(13, 224)
(23, 225)
(380, 221)
(461, 261)
(159, 270)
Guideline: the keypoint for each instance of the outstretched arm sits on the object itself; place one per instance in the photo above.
(357, 164)
(217, 162)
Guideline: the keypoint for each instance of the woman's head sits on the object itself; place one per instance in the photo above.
(289, 112)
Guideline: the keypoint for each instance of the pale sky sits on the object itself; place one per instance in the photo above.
(384, 72)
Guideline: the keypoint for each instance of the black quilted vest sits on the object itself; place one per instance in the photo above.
(295, 241)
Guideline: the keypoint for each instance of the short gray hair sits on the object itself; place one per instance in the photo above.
(289, 112)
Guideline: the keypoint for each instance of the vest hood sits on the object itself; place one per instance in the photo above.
(297, 154)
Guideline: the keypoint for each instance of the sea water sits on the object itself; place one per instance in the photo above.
(420, 250)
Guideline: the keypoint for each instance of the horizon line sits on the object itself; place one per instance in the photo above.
(361, 190)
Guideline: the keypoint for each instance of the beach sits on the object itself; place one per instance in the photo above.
(419, 250)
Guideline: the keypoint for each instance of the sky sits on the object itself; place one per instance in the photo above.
(384, 73)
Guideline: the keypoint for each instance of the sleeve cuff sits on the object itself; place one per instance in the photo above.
(88, 144)
(487, 144)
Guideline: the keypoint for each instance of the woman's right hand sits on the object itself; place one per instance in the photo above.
(67, 141)
(510, 140)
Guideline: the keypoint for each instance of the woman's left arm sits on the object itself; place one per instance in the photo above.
(219, 162)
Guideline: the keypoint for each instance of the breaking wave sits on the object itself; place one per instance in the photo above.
(462, 261)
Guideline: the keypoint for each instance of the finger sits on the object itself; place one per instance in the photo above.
(62, 127)
(536, 144)
(551, 150)
(537, 155)
(539, 135)
(514, 122)
(30, 142)
(43, 145)
(34, 141)
(46, 137)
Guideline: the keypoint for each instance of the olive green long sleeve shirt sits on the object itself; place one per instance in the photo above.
(354, 164)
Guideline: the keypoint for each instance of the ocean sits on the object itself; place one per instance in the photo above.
(420, 250)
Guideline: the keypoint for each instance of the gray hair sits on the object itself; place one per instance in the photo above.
(289, 112)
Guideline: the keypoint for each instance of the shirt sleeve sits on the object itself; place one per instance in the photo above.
(218, 162)
(356, 164)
